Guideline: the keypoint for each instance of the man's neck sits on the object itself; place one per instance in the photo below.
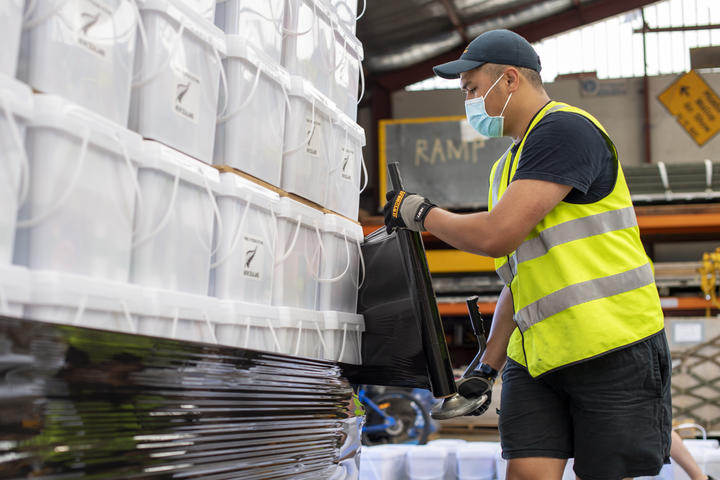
(529, 110)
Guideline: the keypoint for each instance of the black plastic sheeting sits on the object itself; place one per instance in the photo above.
(91, 404)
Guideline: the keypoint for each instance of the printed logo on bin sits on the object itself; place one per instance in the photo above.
(186, 97)
(348, 164)
(253, 257)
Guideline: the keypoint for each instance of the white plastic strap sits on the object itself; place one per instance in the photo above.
(342, 345)
(365, 173)
(218, 219)
(274, 336)
(209, 325)
(225, 116)
(363, 10)
(362, 82)
(683, 426)
(292, 243)
(276, 20)
(664, 178)
(223, 83)
(23, 187)
(246, 344)
(322, 341)
(298, 33)
(708, 175)
(362, 264)
(128, 317)
(236, 236)
(299, 337)
(137, 80)
(80, 310)
(134, 180)
(347, 265)
(175, 321)
(28, 223)
(310, 133)
(166, 217)
(4, 303)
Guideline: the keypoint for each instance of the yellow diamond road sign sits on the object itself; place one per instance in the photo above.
(695, 106)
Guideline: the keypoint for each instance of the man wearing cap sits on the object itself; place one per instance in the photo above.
(578, 326)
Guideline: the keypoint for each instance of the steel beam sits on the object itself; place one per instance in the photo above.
(454, 18)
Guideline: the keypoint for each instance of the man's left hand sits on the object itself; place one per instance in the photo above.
(406, 210)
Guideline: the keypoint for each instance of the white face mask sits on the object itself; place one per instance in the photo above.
(480, 120)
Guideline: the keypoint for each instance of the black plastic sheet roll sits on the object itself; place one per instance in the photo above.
(91, 404)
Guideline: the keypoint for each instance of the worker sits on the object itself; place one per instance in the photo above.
(578, 325)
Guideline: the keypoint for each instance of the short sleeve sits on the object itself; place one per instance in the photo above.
(568, 149)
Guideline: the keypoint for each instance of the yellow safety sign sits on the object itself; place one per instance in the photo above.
(694, 105)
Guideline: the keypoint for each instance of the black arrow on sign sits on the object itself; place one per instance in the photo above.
(685, 90)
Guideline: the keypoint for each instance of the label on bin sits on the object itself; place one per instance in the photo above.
(186, 95)
(254, 258)
(348, 164)
(93, 26)
(314, 143)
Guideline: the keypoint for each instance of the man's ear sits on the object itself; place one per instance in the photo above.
(512, 79)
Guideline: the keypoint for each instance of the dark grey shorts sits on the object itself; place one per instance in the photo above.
(612, 413)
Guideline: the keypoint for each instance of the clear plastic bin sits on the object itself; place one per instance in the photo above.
(308, 145)
(84, 301)
(347, 167)
(16, 107)
(347, 74)
(309, 44)
(297, 255)
(11, 14)
(342, 337)
(173, 240)
(258, 23)
(340, 265)
(250, 132)
(383, 462)
(425, 462)
(476, 460)
(177, 77)
(243, 263)
(82, 186)
(81, 50)
(179, 316)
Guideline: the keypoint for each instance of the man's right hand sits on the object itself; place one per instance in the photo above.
(476, 384)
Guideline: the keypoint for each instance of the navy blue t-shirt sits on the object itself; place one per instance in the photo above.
(566, 148)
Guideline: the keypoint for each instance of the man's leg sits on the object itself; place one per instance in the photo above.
(536, 468)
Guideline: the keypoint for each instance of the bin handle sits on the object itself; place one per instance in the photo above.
(28, 223)
(128, 317)
(274, 336)
(24, 185)
(285, 255)
(218, 219)
(322, 340)
(225, 116)
(298, 33)
(223, 83)
(175, 320)
(80, 310)
(342, 345)
(277, 22)
(236, 236)
(133, 179)
(322, 250)
(137, 81)
(362, 265)
(208, 323)
(692, 425)
(166, 217)
(309, 135)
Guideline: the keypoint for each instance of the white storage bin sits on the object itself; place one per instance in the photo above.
(81, 50)
(342, 337)
(78, 216)
(451, 446)
(382, 462)
(347, 12)
(307, 146)
(299, 332)
(11, 15)
(173, 240)
(426, 462)
(204, 8)
(84, 301)
(250, 132)
(179, 316)
(14, 290)
(243, 263)
(247, 325)
(176, 79)
(340, 264)
(346, 164)
(309, 45)
(297, 255)
(259, 23)
(347, 72)
(476, 460)
(16, 106)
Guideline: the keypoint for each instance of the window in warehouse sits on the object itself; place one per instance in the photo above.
(613, 48)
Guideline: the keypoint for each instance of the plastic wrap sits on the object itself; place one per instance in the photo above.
(91, 404)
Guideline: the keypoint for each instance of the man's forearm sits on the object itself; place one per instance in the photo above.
(502, 327)
(468, 232)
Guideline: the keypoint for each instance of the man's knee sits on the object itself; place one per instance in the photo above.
(536, 468)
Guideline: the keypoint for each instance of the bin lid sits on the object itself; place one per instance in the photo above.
(239, 47)
(160, 157)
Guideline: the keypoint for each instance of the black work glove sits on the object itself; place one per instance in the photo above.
(479, 382)
(406, 210)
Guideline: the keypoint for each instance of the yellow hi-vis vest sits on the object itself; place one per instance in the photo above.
(581, 282)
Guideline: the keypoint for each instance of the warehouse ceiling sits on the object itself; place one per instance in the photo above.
(403, 39)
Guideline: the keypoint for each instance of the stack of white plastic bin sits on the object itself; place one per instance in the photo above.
(116, 220)
(286, 267)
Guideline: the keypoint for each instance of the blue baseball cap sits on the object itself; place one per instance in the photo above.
(496, 46)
